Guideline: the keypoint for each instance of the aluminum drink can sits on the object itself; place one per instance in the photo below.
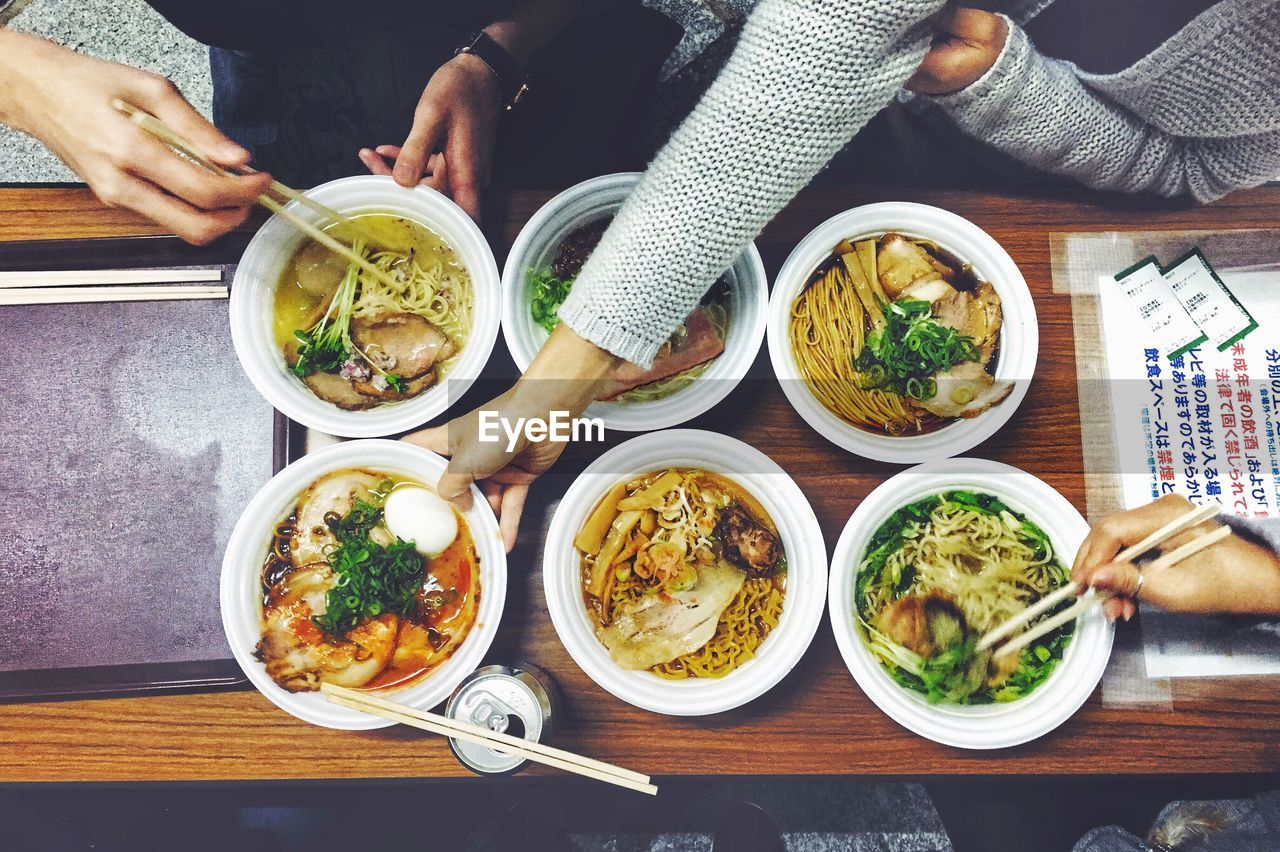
(519, 700)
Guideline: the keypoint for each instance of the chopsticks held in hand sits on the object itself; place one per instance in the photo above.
(164, 133)
(1093, 598)
(505, 743)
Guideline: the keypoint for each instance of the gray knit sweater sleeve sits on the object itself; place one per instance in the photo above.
(1040, 111)
(804, 78)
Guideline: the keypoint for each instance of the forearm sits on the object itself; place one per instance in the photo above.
(1036, 110)
(567, 374)
(805, 76)
(532, 25)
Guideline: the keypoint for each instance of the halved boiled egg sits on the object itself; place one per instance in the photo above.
(416, 514)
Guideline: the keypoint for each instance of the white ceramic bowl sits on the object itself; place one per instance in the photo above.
(535, 248)
(982, 726)
(241, 596)
(276, 242)
(805, 583)
(1019, 333)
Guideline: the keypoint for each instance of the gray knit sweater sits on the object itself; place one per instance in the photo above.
(1199, 116)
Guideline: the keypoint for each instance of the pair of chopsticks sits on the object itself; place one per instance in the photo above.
(46, 287)
(167, 135)
(1092, 598)
(505, 743)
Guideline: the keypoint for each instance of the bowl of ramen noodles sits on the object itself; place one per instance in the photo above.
(346, 568)
(696, 368)
(902, 332)
(349, 353)
(934, 558)
(684, 572)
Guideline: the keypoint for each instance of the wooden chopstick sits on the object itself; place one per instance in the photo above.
(1191, 548)
(1093, 598)
(164, 133)
(1032, 612)
(83, 277)
(495, 740)
(1195, 517)
(156, 127)
(74, 295)
(1088, 600)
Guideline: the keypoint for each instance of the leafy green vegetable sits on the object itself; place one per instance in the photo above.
(1034, 666)
(887, 539)
(327, 345)
(956, 674)
(372, 578)
(903, 355)
(549, 293)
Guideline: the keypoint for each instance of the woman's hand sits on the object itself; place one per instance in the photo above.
(450, 147)
(503, 477)
(64, 99)
(1232, 576)
(967, 44)
(564, 377)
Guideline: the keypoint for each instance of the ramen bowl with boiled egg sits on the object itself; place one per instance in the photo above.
(348, 569)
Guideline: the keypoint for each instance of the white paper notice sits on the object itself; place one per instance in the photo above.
(1205, 424)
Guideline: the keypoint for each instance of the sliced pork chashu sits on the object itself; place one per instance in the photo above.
(975, 315)
(334, 493)
(405, 344)
(966, 390)
(902, 262)
(299, 656)
(329, 386)
(658, 628)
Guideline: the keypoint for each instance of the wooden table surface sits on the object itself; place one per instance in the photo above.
(816, 721)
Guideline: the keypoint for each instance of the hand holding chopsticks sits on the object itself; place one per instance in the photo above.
(165, 134)
(528, 749)
(1092, 597)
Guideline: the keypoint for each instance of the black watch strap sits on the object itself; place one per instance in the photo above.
(511, 77)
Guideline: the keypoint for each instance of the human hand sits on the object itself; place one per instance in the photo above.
(450, 147)
(1232, 576)
(503, 475)
(563, 378)
(966, 45)
(64, 99)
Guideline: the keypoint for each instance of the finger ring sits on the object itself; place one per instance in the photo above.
(1141, 579)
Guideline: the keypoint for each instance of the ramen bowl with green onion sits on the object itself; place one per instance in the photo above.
(699, 365)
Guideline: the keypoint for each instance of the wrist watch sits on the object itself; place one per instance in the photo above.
(511, 77)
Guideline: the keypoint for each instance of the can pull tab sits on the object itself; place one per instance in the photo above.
(496, 715)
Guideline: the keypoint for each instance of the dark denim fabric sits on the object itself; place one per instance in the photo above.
(304, 112)
(244, 96)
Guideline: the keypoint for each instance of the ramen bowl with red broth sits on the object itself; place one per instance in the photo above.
(348, 569)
